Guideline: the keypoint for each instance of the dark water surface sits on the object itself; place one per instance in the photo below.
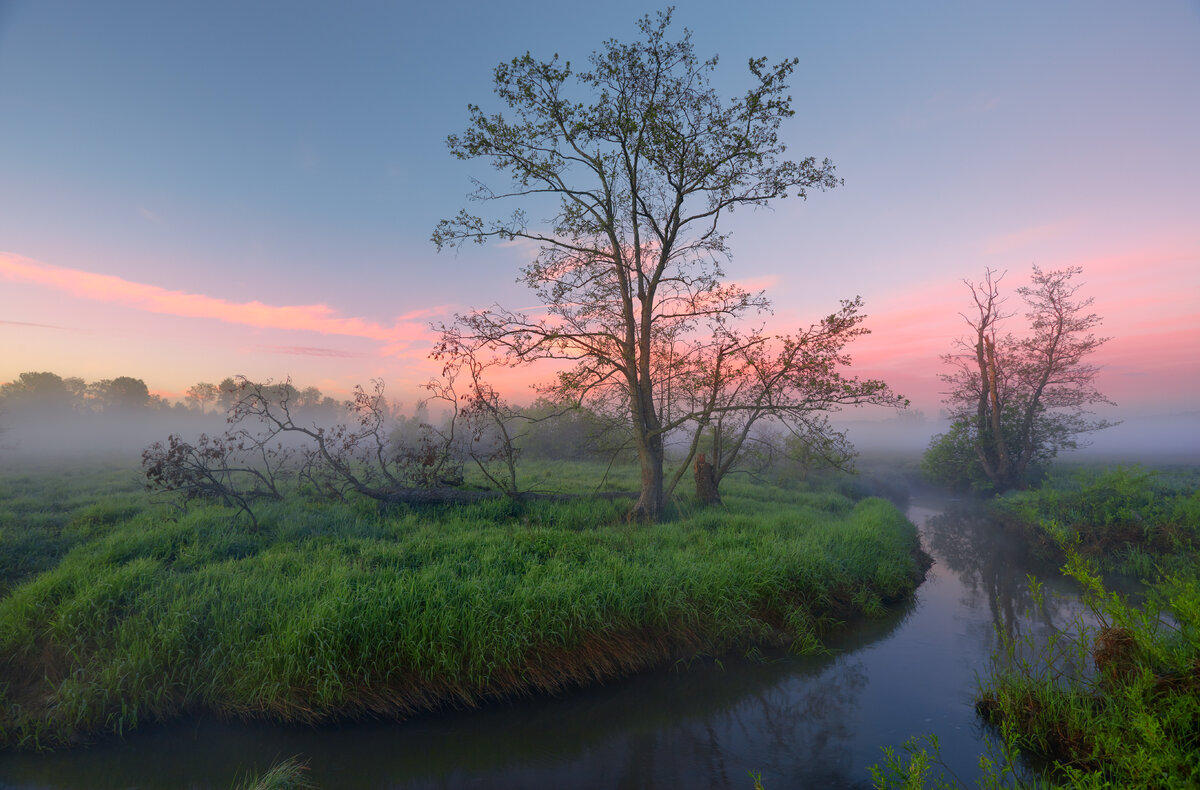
(797, 721)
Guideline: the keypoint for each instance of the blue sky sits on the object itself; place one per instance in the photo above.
(292, 155)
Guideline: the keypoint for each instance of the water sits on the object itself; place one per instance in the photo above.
(797, 721)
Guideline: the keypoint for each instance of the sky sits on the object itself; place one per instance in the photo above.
(194, 190)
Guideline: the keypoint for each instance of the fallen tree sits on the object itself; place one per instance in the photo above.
(270, 449)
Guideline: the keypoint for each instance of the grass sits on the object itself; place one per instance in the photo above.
(45, 511)
(1127, 519)
(1112, 699)
(1124, 709)
(336, 610)
(286, 775)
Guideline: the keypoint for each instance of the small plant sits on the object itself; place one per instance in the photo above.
(287, 775)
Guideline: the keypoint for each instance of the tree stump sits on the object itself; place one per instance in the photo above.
(706, 482)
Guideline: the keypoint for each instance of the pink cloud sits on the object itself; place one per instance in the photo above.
(397, 338)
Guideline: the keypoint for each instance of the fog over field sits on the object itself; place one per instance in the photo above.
(1136, 438)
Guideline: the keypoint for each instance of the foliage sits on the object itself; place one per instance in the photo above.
(566, 431)
(1131, 722)
(1111, 701)
(48, 395)
(644, 158)
(952, 461)
(1113, 515)
(337, 609)
(1019, 401)
(741, 381)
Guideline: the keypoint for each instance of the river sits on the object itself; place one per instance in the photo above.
(813, 721)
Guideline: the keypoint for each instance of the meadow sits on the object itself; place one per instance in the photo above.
(118, 610)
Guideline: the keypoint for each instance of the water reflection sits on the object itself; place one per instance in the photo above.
(800, 721)
(705, 726)
(994, 571)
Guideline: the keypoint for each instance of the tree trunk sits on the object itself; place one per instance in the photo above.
(706, 482)
(649, 507)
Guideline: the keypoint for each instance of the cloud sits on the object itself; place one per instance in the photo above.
(311, 351)
(151, 298)
(29, 323)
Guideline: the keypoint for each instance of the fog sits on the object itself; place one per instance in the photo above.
(29, 436)
(1137, 438)
(42, 438)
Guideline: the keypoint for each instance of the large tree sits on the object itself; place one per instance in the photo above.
(640, 159)
(1016, 401)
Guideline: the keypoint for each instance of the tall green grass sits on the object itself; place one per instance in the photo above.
(1126, 518)
(45, 511)
(332, 610)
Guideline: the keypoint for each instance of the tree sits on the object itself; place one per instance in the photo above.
(643, 159)
(42, 393)
(227, 394)
(272, 447)
(740, 381)
(1016, 401)
(201, 394)
(561, 431)
(122, 394)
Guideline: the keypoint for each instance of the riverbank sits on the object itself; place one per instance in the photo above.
(1111, 697)
(1126, 519)
(337, 611)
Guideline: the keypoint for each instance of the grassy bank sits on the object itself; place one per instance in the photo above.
(332, 610)
(1113, 698)
(1115, 704)
(1126, 519)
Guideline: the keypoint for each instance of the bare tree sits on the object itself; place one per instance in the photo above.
(223, 468)
(476, 406)
(1017, 401)
(271, 448)
(644, 159)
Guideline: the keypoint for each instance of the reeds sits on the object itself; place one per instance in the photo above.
(1112, 700)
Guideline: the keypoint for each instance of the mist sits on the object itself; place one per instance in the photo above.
(1136, 438)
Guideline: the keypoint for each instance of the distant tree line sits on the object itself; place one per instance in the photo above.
(46, 414)
(48, 394)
